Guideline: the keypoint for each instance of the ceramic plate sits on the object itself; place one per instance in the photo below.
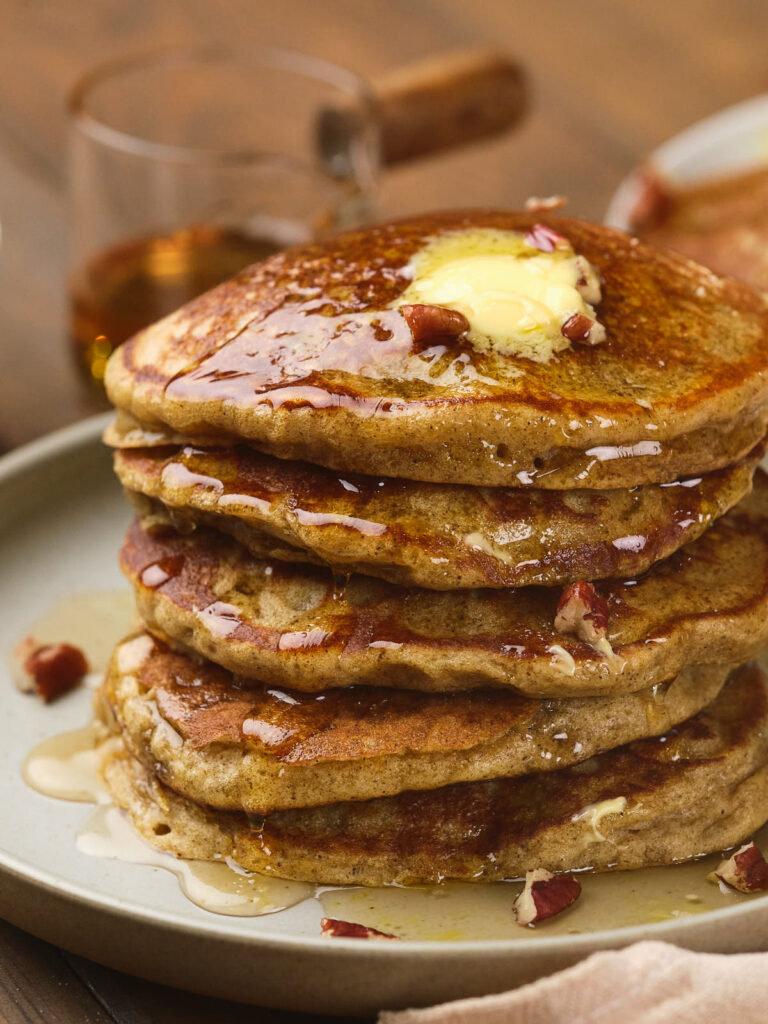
(733, 140)
(62, 517)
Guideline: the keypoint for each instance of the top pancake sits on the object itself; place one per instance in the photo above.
(302, 357)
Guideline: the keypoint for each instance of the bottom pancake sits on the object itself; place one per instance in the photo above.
(702, 787)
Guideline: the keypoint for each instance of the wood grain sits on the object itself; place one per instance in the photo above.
(133, 1001)
(610, 80)
(38, 986)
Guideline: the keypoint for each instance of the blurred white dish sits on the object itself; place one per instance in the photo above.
(736, 139)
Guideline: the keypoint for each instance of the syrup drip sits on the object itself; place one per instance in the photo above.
(220, 618)
(364, 526)
(176, 474)
(158, 573)
(66, 767)
(222, 887)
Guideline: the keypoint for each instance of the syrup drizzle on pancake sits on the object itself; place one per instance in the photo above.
(439, 536)
(244, 611)
(280, 360)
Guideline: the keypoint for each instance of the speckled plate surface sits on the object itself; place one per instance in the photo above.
(62, 515)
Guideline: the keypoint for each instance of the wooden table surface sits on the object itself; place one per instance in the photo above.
(610, 80)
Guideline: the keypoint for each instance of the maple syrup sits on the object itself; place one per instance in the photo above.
(128, 286)
(222, 887)
(66, 766)
(461, 911)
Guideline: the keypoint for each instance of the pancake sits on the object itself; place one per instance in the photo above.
(304, 357)
(237, 747)
(300, 627)
(439, 536)
(703, 787)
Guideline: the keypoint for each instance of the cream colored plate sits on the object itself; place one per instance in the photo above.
(62, 517)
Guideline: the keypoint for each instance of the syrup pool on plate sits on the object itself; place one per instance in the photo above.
(459, 911)
(222, 887)
(93, 620)
(66, 766)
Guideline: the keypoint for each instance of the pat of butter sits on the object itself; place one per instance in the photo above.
(515, 297)
(594, 813)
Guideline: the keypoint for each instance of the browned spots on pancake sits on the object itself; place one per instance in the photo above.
(207, 705)
(474, 821)
(370, 612)
(215, 306)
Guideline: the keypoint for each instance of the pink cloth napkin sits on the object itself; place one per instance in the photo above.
(648, 983)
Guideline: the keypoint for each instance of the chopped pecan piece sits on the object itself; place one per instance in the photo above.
(577, 328)
(427, 322)
(537, 204)
(583, 330)
(348, 930)
(583, 613)
(588, 284)
(546, 239)
(545, 895)
(52, 669)
(745, 871)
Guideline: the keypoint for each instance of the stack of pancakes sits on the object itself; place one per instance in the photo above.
(351, 547)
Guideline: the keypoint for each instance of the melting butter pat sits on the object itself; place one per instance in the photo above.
(515, 297)
(594, 813)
